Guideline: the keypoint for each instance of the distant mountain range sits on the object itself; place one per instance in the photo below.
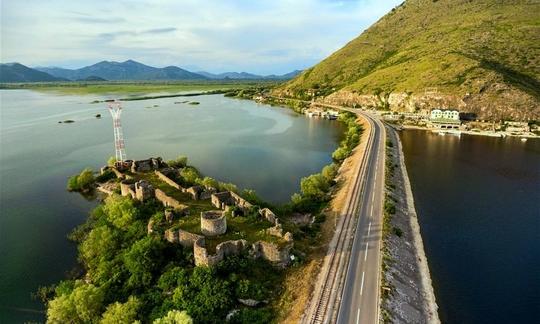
(120, 71)
(15, 72)
(248, 76)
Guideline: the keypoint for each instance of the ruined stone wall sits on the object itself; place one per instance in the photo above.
(239, 201)
(202, 258)
(269, 216)
(147, 165)
(225, 199)
(213, 222)
(168, 180)
(201, 255)
(194, 192)
(207, 193)
(127, 189)
(143, 190)
(271, 252)
(171, 236)
(187, 239)
(168, 201)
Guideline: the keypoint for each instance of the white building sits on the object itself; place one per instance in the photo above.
(444, 114)
(445, 118)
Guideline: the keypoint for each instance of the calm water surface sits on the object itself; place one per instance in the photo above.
(255, 146)
(478, 201)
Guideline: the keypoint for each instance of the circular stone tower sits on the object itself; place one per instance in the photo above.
(213, 222)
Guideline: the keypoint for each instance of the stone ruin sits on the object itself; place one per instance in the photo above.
(227, 199)
(196, 192)
(213, 222)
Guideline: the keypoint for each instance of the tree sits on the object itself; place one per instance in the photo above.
(340, 154)
(173, 278)
(120, 211)
(143, 259)
(100, 244)
(207, 298)
(175, 317)
(329, 172)
(122, 313)
(82, 181)
(209, 182)
(86, 178)
(82, 305)
(315, 186)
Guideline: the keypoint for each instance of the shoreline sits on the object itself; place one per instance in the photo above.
(471, 133)
(412, 296)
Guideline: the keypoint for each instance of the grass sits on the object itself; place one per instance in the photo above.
(133, 88)
(248, 228)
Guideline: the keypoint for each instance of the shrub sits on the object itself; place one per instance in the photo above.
(175, 317)
(179, 162)
(314, 186)
(190, 175)
(82, 182)
(111, 161)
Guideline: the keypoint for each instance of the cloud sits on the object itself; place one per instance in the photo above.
(238, 35)
(159, 30)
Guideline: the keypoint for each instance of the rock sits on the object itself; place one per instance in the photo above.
(249, 302)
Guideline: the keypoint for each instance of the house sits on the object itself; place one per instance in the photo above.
(445, 118)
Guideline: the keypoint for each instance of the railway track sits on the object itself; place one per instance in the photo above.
(325, 303)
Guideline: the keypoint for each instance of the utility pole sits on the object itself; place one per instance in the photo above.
(115, 108)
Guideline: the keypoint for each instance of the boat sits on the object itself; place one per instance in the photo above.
(523, 139)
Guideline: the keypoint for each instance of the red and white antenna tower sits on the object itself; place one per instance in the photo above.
(116, 109)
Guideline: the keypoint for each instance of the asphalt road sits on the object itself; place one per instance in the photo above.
(360, 299)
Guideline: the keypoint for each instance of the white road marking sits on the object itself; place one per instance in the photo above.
(369, 228)
(358, 316)
(371, 215)
(365, 254)
(362, 285)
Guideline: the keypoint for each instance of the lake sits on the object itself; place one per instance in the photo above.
(478, 205)
(268, 149)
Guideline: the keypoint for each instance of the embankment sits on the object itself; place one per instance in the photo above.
(408, 295)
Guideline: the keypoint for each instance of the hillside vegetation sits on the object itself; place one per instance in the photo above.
(479, 56)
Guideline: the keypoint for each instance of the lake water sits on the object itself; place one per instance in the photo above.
(478, 204)
(265, 148)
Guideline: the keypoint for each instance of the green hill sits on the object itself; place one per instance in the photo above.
(478, 56)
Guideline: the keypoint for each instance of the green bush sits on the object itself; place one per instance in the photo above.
(179, 162)
(315, 186)
(82, 182)
(190, 175)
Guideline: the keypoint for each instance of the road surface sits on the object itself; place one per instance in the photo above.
(360, 296)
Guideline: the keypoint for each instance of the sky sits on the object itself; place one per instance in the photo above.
(264, 37)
